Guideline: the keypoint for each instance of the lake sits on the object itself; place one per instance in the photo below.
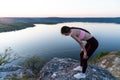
(47, 41)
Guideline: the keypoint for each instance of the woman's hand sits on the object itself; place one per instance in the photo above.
(81, 49)
(85, 56)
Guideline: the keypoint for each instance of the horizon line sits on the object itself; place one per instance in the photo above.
(57, 17)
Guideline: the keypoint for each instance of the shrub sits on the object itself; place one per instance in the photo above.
(35, 63)
(118, 53)
(5, 57)
(96, 58)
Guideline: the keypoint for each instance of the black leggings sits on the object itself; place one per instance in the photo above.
(91, 46)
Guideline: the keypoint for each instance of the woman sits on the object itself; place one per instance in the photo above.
(87, 50)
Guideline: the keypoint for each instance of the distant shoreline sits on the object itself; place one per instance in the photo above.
(17, 23)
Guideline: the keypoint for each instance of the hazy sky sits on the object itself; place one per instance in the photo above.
(59, 8)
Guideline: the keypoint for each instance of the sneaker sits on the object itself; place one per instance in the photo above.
(78, 68)
(80, 75)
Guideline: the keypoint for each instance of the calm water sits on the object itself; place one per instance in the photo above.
(47, 41)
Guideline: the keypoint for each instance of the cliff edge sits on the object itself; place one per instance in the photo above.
(62, 69)
(111, 62)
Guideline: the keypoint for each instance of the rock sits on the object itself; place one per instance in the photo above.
(62, 69)
(8, 71)
(111, 62)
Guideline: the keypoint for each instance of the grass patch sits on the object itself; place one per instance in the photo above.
(100, 55)
(118, 53)
(35, 63)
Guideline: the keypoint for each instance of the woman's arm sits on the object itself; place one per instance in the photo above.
(81, 44)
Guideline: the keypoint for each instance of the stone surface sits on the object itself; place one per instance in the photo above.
(62, 69)
(111, 62)
(8, 71)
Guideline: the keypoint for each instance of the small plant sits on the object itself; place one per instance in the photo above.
(96, 58)
(8, 56)
(5, 57)
(118, 53)
(35, 63)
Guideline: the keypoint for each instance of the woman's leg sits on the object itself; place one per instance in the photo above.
(91, 46)
(81, 58)
(84, 61)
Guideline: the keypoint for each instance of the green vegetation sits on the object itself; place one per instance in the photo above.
(100, 55)
(4, 27)
(118, 53)
(5, 57)
(95, 59)
(35, 63)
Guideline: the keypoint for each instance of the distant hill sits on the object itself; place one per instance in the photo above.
(55, 20)
(17, 23)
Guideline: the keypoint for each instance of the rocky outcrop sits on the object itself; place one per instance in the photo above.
(62, 69)
(111, 62)
(7, 72)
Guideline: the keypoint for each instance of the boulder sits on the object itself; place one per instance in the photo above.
(62, 69)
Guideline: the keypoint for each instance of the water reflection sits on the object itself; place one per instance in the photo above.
(47, 41)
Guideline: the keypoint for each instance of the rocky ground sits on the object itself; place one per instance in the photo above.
(8, 72)
(111, 62)
(62, 69)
